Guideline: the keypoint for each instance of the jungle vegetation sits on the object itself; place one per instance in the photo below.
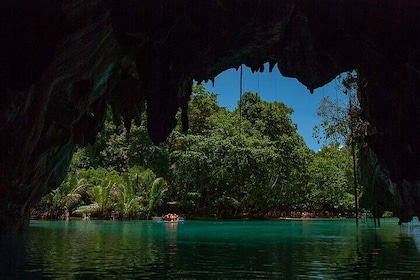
(249, 162)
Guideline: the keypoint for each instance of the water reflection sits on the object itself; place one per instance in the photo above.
(412, 230)
(13, 255)
(171, 242)
(235, 250)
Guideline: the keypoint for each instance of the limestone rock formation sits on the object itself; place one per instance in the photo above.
(381, 194)
(63, 61)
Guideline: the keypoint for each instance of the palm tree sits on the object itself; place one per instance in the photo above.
(141, 191)
(100, 197)
(157, 190)
(129, 196)
(74, 193)
(66, 197)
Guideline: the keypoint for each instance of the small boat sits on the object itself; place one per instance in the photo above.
(179, 220)
(169, 218)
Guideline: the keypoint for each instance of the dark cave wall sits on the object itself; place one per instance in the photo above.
(49, 107)
(62, 62)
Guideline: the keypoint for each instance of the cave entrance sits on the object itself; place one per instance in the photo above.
(217, 174)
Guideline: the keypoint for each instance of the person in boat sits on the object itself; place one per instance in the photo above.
(170, 217)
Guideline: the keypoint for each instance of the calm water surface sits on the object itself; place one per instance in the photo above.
(213, 250)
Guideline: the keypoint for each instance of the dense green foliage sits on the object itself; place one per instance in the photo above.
(250, 161)
(105, 194)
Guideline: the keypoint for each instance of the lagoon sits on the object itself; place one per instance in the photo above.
(315, 249)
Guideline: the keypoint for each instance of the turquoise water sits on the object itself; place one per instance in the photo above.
(213, 250)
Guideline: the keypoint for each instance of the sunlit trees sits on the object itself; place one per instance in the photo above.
(155, 193)
(63, 200)
(202, 106)
(117, 149)
(248, 161)
(271, 119)
(224, 171)
(330, 185)
(100, 205)
(101, 185)
(106, 194)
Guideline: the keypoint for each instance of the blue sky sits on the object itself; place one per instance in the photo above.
(274, 87)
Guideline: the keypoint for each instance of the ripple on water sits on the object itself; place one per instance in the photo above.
(207, 250)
